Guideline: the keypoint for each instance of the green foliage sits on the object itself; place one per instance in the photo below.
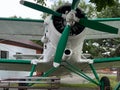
(113, 11)
(105, 45)
(37, 42)
(93, 47)
(88, 9)
(56, 4)
(41, 2)
(100, 4)
(100, 48)
(15, 17)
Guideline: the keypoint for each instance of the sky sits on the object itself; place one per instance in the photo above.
(9, 8)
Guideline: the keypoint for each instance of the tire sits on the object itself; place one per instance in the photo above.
(105, 83)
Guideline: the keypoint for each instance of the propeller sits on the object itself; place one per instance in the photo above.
(40, 8)
(61, 46)
(64, 37)
(98, 26)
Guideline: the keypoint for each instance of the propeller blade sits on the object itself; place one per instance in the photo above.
(61, 46)
(98, 26)
(75, 4)
(40, 8)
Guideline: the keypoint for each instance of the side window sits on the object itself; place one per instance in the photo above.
(4, 54)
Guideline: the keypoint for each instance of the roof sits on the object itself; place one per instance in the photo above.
(21, 43)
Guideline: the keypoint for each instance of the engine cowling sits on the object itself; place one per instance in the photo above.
(53, 28)
(60, 22)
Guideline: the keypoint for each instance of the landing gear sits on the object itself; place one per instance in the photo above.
(105, 83)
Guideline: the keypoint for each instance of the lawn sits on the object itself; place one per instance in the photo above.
(91, 85)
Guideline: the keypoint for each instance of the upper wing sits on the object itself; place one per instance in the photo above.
(92, 34)
(21, 28)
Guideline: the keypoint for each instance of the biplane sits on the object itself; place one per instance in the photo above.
(63, 33)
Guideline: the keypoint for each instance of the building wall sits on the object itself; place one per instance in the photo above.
(12, 50)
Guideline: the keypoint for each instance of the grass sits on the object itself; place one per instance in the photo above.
(91, 85)
(88, 85)
(85, 85)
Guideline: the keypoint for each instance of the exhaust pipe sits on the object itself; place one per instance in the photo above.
(67, 54)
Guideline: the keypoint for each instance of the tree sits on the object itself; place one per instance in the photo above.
(88, 9)
(113, 45)
(113, 11)
(56, 4)
(41, 2)
(100, 4)
(106, 47)
(117, 54)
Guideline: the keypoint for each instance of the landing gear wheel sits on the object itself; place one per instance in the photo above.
(105, 83)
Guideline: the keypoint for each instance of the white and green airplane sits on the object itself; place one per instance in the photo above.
(63, 34)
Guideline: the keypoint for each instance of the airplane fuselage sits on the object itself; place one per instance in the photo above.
(54, 27)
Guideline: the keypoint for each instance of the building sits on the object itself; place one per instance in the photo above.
(9, 48)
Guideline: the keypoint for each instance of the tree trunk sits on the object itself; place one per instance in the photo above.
(118, 74)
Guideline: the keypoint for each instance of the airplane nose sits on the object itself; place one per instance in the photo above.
(60, 23)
